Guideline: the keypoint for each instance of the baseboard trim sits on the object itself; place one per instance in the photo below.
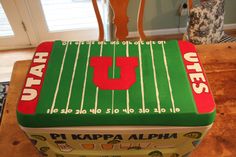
(172, 31)
(230, 26)
(158, 32)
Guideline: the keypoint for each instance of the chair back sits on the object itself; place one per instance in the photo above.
(120, 19)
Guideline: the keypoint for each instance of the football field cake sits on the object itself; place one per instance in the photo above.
(126, 98)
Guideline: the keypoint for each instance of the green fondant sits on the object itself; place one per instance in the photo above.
(75, 105)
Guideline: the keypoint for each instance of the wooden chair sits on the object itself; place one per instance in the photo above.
(120, 19)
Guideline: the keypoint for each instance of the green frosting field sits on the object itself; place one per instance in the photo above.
(161, 94)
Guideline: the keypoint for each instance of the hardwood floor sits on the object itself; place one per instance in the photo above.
(8, 58)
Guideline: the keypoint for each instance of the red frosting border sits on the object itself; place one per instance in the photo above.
(29, 106)
(204, 100)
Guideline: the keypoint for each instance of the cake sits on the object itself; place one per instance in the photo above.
(125, 98)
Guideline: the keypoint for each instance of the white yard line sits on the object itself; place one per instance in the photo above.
(59, 79)
(73, 76)
(96, 101)
(155, 79)
(113, 76)
(97, 89)
(85, 79)
(141, 76)
(127, 91)
(168, 77)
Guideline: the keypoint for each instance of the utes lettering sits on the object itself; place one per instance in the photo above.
(195, 73)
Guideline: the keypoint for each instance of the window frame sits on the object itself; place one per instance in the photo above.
(41, 29)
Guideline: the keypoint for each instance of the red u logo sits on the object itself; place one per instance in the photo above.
(127, 67)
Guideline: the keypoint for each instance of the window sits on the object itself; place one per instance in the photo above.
(69, 14)
(12, 32)
(5, 27)
(64, 19)
(25, 23)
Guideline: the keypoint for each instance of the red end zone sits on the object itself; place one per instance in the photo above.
(197, 78)
(34, 79)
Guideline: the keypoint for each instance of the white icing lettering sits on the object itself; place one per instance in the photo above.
(195, 66)
(191, 57)
(197, 77)
(195, 73)
(41, 57)
(29, 94)
(30, 91)
(37, 70)
(31, 81)
(202, 87)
